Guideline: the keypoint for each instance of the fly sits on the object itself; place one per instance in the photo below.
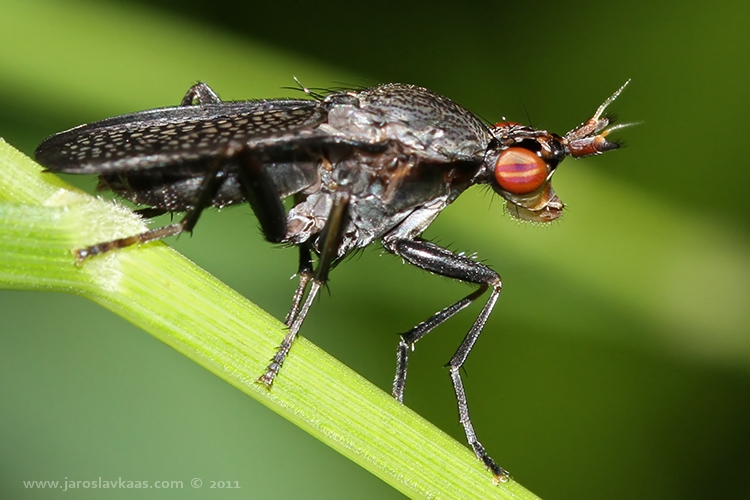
(361, 166)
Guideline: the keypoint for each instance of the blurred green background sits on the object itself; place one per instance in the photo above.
(617, 363)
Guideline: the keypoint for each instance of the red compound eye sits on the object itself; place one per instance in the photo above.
(520, 171)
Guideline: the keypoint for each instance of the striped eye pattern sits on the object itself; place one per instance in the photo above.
(520, 171)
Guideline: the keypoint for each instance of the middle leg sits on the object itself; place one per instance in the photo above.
(330, 240)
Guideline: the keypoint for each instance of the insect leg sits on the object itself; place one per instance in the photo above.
(261, 193)
(200, 93)
(330, 239)
(411, 337)
(209, 186)
(305, 273)
(438, 260)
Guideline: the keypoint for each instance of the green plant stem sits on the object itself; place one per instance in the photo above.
(154, 287)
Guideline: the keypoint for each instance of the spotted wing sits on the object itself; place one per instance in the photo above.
(178, 135)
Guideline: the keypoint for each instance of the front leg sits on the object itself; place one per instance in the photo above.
(438, 260)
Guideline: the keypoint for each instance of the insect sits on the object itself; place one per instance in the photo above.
(361, 166)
